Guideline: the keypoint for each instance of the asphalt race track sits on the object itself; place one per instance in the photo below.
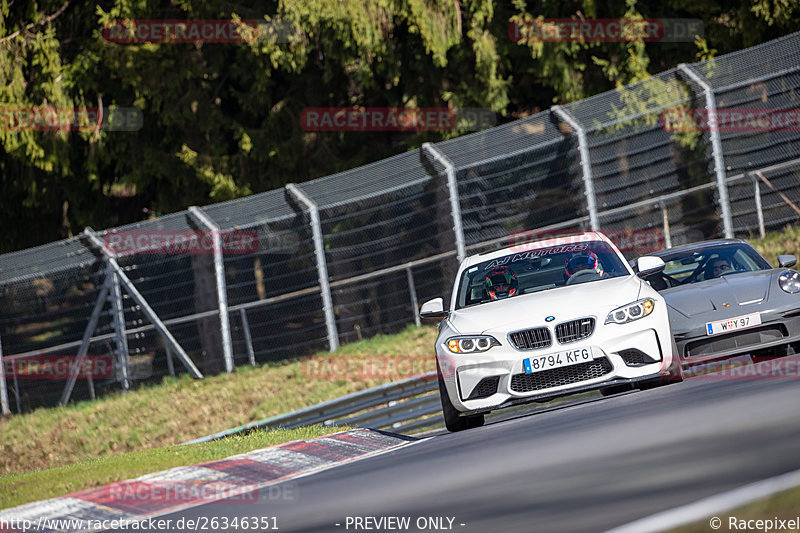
(586, 467)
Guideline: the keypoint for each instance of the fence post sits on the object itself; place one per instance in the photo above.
(4, 410)
(222, 292)
(95, 242)
(413, 290)
(665, 221)
(586, 165)
(322, 265)
(759, 209)
(84, 348)
(716, 148)
(118, 322)
(455, 204)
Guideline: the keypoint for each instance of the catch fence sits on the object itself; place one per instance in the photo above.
(311, 266)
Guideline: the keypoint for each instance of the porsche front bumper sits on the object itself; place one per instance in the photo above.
(776, 329)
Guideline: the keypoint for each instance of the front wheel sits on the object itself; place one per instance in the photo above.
(453, 421)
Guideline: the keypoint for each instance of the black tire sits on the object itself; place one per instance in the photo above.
(615, 389)
(453, 420)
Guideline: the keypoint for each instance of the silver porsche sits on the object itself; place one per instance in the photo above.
(724, 299)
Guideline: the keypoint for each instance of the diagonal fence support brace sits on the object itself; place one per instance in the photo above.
(716, 148)
(455, 204)
(222, 291)
(586, 165)
(96, 243)
(84, 348)
(322, 265)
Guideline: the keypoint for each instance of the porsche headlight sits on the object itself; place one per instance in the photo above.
(789, 281)
(476, 344)
(631, 312)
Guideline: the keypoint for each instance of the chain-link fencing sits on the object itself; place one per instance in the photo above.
(705, 150)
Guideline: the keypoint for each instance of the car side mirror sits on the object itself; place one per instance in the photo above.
(786, 261)
(433, 310)
(649, 265)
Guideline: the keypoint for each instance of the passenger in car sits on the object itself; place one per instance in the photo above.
(501, 282)
(718, 267)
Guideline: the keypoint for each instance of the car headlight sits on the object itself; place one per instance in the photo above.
(631, 312)
(476, 344)
(789, 281)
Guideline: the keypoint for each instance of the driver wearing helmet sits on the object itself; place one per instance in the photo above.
(500, 283)
(584, 261)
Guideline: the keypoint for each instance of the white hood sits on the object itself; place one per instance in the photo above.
(530, 310)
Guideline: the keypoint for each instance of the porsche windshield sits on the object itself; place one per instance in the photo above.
(537, 270)
(701, 264)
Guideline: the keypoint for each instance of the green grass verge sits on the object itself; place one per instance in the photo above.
(181, 409)
(782, 506)
(17, 489)
(776, 243)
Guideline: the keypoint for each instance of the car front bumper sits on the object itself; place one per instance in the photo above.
(612, 346)
(776, 329)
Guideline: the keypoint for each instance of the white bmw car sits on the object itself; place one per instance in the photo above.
(547, 319)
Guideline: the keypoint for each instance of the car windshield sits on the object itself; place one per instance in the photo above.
(700, 264)
(537, 270)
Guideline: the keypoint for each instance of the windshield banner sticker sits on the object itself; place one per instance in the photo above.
(536, 254)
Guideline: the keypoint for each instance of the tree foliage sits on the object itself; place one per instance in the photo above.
(222, 120)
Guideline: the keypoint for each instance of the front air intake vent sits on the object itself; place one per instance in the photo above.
(574, 330)
(556, 377)
(531, 339)
(485, 388)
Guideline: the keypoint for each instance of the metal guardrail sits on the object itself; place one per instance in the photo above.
(384, 406)
(395, 413)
